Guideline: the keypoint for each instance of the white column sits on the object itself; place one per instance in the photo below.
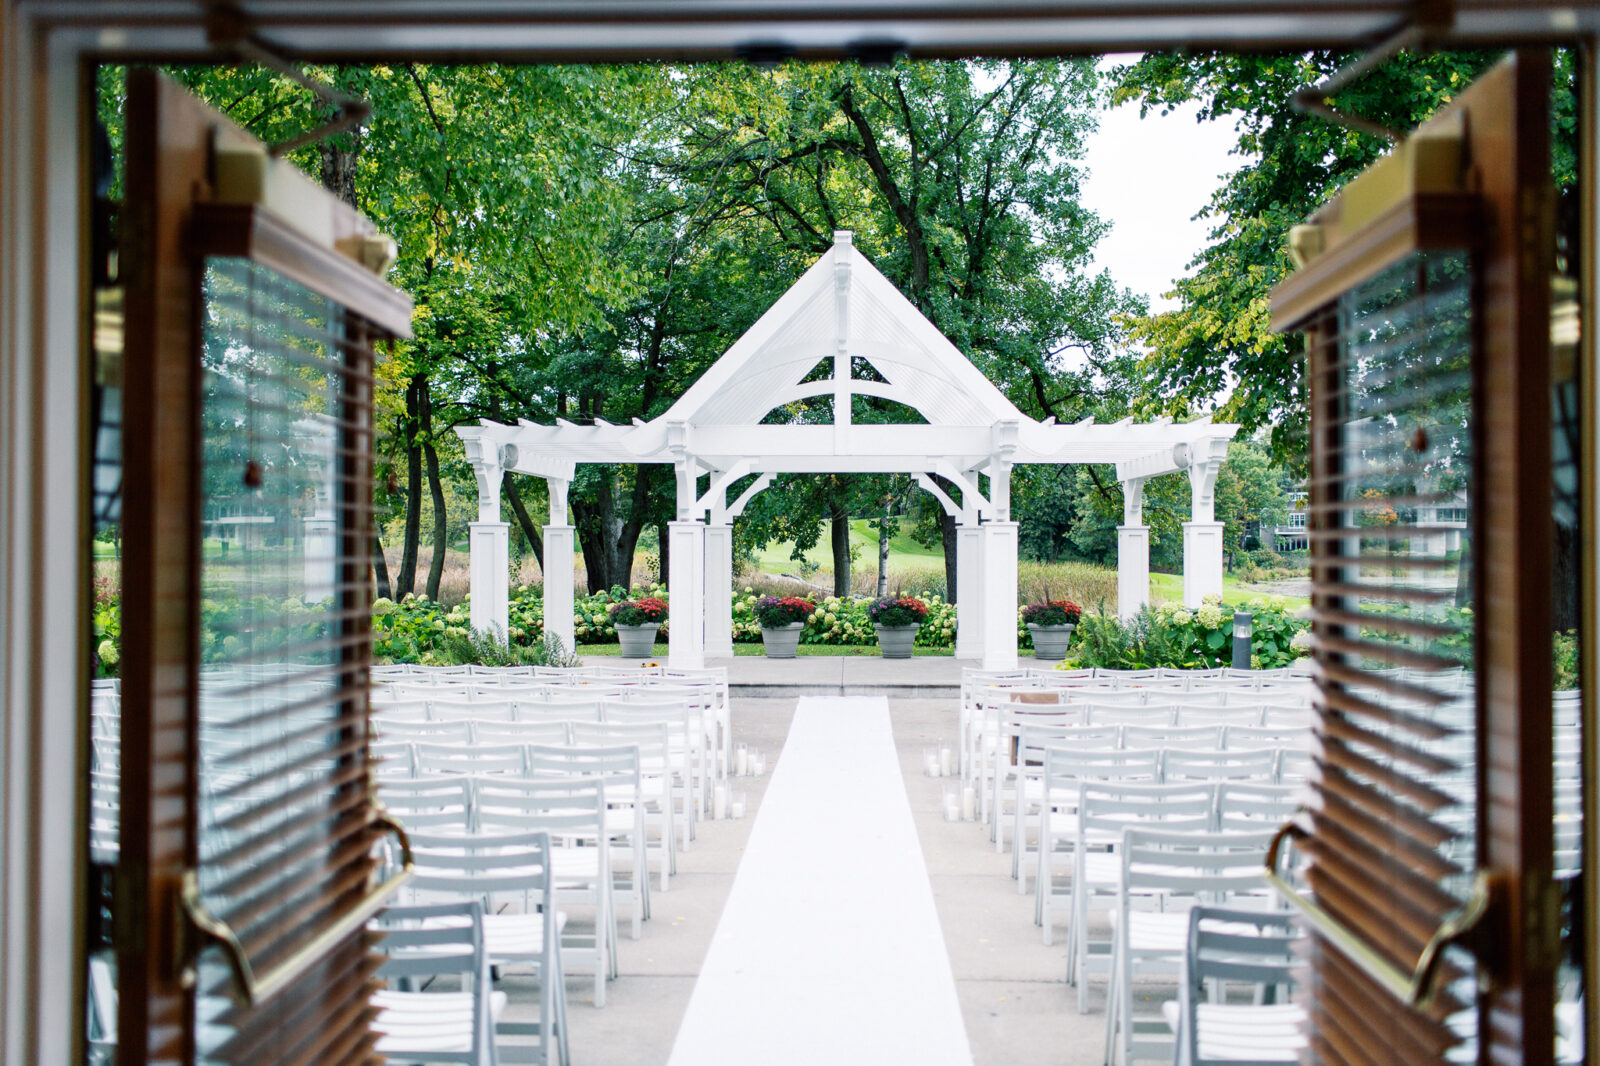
(1133, 551)
(1202, 537)
(319, 544)
(686, 592)
(489, 551)
(719, 589)
(969, 588)
(489, 559)
(999, 594)
(321, 558)
(558, 572)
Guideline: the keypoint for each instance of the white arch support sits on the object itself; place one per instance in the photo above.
(845, 312)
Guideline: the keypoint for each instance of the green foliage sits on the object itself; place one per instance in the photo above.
(485, 649)
(1218, 342)
(1567, 660)
(107, 627)
(1177, 637)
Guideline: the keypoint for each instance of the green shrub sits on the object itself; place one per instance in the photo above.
(1177, 637)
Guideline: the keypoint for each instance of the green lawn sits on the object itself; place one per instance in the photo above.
(904, 552)
(1168, 588)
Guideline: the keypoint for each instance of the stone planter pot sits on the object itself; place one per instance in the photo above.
(781, 641)
(638, 642)
(896, 641)
(1050, 642)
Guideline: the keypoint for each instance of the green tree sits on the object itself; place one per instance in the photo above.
(1217, 342)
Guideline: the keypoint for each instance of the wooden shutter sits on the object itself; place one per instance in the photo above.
(1425, 306)
(247, 868)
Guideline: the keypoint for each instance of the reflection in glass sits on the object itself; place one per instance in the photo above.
(273, 753)
(1402, 521)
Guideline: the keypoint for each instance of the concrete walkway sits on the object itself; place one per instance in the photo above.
(829, 949)
(1016, 1008)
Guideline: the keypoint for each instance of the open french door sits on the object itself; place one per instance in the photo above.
(1448, 792)
(246, 861)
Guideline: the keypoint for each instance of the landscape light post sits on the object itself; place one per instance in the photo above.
(1241, 640)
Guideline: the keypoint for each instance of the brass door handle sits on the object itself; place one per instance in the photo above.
(251, 988)
(1415, 989)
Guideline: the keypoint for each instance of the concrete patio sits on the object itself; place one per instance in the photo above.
(1017, 1009)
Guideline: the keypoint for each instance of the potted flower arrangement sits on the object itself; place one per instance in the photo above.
(636, 622)
(896, 619)
(782, 619)
(1051, 625)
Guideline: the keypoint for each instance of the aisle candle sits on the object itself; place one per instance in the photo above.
(952, 803)
(719, 802)
(736, 807)
(969, 803)
(930, 761)
(741, 760)
(758, 765)
(947, 761)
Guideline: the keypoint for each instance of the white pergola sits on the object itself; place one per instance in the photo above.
(840, 309)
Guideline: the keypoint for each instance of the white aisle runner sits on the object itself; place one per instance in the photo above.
(829, 950)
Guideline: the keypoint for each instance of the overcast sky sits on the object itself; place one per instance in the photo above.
(1148, 177)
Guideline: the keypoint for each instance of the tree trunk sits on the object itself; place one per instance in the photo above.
(839, 538)
(436, 489)
(529, 529)
(883, 554)
(406, 580)
(380, 567)
(947, 537)
(663, 550)
(609, 540)
(947, 541)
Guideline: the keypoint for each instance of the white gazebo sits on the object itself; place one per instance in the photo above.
(840, 310)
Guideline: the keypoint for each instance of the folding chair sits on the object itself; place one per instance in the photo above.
(460, 710)
(438, 804)
(1194, 737)
(1113, 714)
(489, 869)
(1197, 868)
(573, 813)
(617, 771)
(1105, 811)
(1065, 771)
(1248, 807)
(1234, 947)
(1257, 737)
(498, 734)
(688, 736)
(1028, 770)
(559, 707)
(467, 759)
(1000, 763)
(1219, 766)
(427, 942)
(663, 775)
(391, 732)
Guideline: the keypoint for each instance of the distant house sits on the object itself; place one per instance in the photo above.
(1290, 535)
(1438, 527)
